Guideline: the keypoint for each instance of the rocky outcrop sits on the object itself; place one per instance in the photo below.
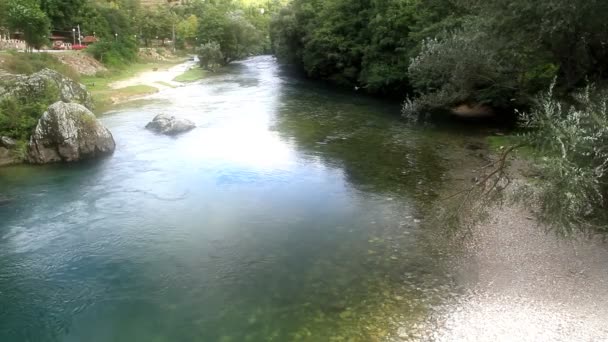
(43, 84)
(7, 156)
(68, 132)
(7, 142)
(170, 125)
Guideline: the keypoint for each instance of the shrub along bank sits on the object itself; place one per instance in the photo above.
(480, 57)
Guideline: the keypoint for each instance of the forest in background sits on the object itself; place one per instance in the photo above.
(541, 64)
(240, 27)
(447, 52)
(234, 28)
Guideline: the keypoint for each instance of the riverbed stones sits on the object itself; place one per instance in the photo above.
(170, 125)
(69, 132)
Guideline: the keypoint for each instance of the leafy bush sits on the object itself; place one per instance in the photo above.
(573, 142)
(210, 56)
(19, 115)
(470, 66)
(236, 35)
(114, 53)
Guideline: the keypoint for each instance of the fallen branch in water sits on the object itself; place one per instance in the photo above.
(469, 206)
(498, 173)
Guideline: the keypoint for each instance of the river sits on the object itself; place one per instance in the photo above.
(293, 212)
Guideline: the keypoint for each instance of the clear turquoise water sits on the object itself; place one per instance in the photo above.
(293, 212)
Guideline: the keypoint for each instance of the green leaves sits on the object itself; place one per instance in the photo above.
(27, 17)
(571, 140)
(210, 56)
(236, 36)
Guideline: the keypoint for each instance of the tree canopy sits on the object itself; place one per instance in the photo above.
(26, 17)
(494, 52)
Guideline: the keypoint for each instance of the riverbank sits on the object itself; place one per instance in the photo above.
(138, 80)
(522, 283)
(107, 87)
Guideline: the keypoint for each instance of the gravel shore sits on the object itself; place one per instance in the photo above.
(523, 284)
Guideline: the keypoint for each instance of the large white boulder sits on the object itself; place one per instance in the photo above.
(69, 132)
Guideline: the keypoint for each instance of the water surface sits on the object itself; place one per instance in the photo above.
(293, 212)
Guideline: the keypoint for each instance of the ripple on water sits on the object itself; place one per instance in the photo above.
(243, 229)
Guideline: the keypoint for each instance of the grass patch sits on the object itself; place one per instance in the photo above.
(168, 85)
(105, 96)
(29, 63)
(104, 99)
(191, 75)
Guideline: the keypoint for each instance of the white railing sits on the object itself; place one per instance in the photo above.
(7, 44)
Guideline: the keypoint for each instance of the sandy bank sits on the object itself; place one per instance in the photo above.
(160, 79)
(523, 284)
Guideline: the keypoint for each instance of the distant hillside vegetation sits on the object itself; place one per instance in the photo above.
(160, 2)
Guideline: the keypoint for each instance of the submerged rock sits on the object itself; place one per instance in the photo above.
(170, 125)
(474, 111)
(44, 84)
(4, 200)
(69, 132)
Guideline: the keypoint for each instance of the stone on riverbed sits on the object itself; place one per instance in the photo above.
(69, 132)
(170, 125)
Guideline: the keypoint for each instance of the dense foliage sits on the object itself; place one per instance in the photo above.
(357, 43)
(239, 27)
(447, 52)
(572, 140)
(493, 55)
(19, 114)
(210, 56)
(27, 17)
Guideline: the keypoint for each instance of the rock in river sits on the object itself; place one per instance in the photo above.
(68, 132)
(170, 125)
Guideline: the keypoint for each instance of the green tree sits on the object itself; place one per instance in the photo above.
(27, 17)
(572, 33)
(210, 56)
(356, 43)
(188, 29)
(63, 13)
(3, 16)
(229, 28)
(155, 22)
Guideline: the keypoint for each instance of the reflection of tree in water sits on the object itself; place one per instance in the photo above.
(232, 73)
(362, 136)
(355, 287)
